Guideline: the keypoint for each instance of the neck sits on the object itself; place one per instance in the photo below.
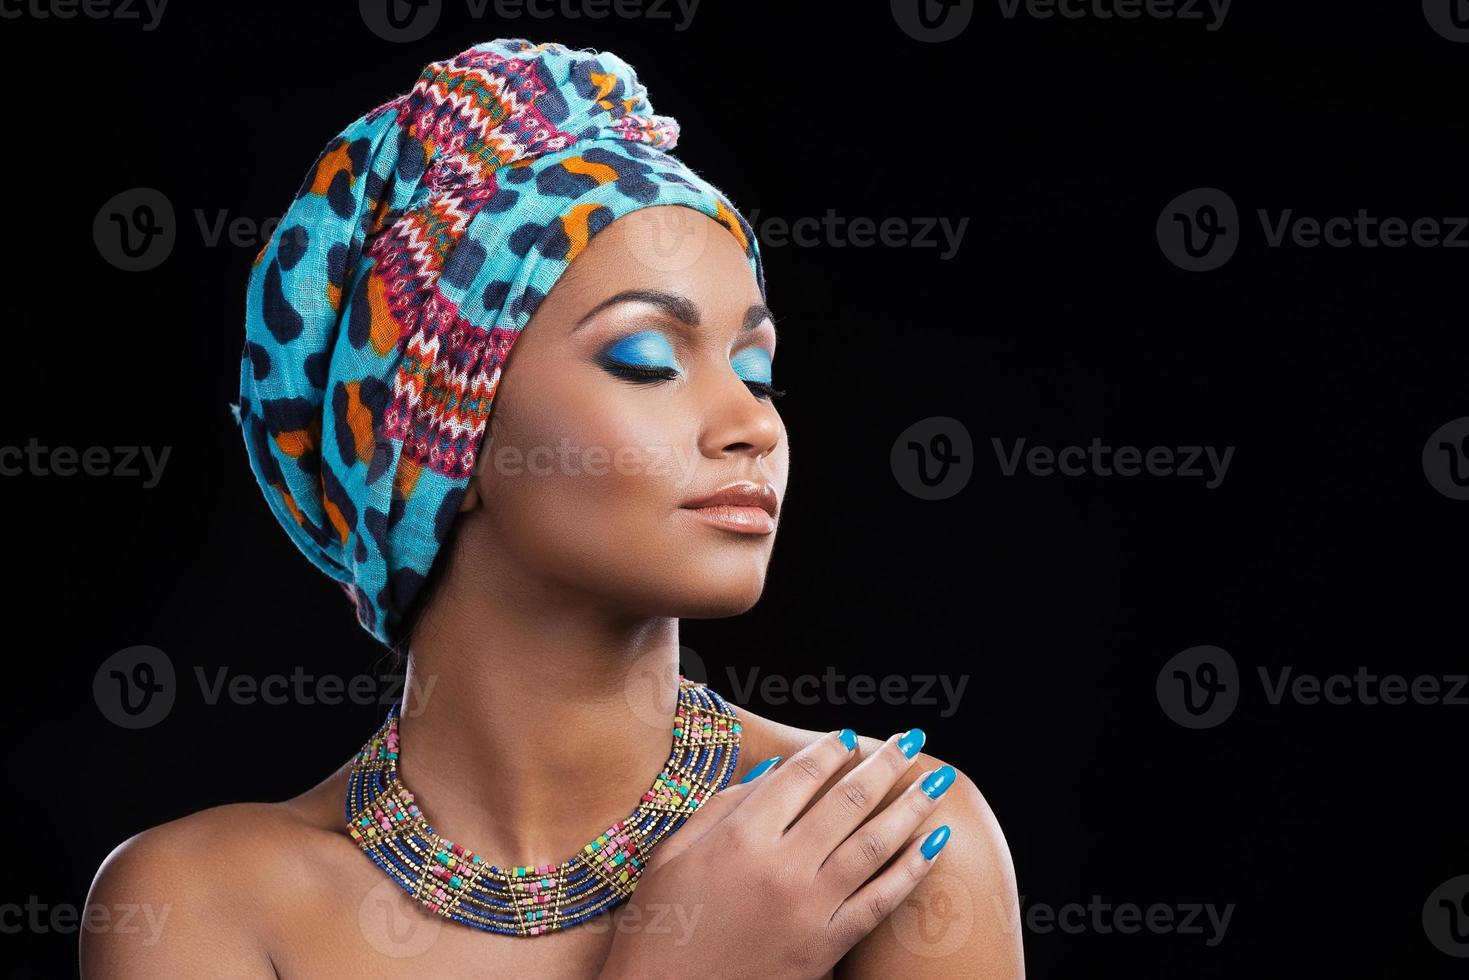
(523, 741)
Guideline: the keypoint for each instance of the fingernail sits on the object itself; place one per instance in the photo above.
(912, 741)
(849, 738)
(935, 842)
(760, 769)
(938, 781)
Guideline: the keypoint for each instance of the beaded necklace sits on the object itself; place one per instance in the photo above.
(452, 881)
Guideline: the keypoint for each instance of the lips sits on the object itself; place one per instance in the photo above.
(741, 493)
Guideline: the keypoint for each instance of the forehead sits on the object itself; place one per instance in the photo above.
(669, 247)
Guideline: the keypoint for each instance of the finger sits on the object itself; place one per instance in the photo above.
(782, 793)
(875, 901)
(857, 794)
(863, 854)
(711, 812)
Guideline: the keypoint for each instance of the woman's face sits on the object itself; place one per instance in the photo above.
(634, 391)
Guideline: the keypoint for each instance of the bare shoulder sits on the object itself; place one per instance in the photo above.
(199, 895)
(963, 918)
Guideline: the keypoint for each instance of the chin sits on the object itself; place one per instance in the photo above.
(718, 593)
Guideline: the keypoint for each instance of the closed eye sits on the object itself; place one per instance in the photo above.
(753, 366)
(636, 373)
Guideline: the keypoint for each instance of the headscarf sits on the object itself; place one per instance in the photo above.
(380, 312)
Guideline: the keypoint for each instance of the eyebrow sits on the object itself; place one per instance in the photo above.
(681, 308)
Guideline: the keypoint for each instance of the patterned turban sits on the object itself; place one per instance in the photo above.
(380, 313)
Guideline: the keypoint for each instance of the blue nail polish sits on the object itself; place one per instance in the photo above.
(935, 842)
(912, 741)
(938, 781)
(849, 738)
(760, 769)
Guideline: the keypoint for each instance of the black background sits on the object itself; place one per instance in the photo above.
(1059, 320)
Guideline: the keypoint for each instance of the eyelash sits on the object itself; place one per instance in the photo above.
(638, 374)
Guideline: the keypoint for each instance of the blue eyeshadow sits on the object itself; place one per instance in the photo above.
(649, 348)
(752, 364)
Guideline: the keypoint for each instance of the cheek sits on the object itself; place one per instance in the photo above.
(594, 461)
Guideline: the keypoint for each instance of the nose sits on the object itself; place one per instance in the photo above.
(735, 421)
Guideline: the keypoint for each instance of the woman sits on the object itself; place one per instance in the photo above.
(533, 571)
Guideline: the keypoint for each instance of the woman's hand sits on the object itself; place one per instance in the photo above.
(777, 892)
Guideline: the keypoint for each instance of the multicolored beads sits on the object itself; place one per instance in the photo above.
(452, 881)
